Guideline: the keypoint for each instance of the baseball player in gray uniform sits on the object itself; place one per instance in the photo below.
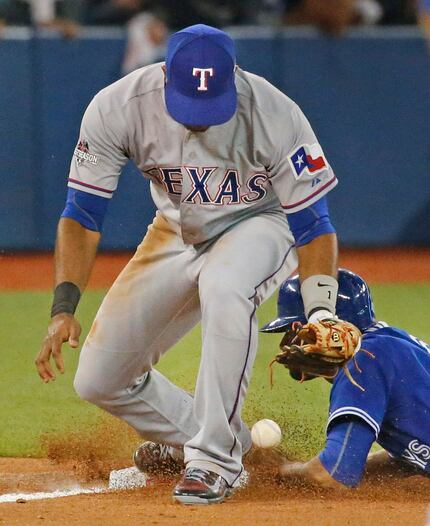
(239, 180)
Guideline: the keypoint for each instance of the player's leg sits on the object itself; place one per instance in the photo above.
(241, 269)
(152, 304)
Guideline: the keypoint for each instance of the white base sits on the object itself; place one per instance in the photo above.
(121, 479)
(128, 478)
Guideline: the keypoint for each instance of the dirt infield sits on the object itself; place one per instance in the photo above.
(85, 459)
(34, 271)
(264, 501)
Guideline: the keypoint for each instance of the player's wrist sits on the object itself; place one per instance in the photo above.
(319, 314)
(66, 299)
(318, 474)
(319, 293)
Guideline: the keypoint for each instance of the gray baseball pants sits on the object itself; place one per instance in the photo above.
(164, 291)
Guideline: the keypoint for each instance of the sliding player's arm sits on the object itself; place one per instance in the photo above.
(342, 462)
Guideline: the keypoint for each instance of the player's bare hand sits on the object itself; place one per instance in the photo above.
(311, 472)
(292, 470)
(62, 328)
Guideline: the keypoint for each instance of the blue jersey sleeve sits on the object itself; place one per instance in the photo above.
(310, 222)
(87, 209)
(376, 378)
(348, 443)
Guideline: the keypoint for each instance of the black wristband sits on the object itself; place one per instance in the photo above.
(66, 298)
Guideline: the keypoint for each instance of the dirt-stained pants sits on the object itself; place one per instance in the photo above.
(164, 291)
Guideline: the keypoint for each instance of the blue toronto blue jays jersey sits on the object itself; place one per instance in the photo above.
(396, 399)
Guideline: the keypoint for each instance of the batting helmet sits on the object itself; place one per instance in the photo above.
(354, 303)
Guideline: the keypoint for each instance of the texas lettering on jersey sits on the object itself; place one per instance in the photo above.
(229, 191)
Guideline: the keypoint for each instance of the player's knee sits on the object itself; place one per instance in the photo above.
(224, 292)
(93, 391)
(224, 300)
(86, 390)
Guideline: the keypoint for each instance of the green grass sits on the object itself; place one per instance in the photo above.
(31, 410)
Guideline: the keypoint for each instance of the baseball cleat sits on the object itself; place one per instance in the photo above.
(151, 457)
(199, 486)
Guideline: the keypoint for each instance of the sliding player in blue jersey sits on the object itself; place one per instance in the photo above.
(393, 409)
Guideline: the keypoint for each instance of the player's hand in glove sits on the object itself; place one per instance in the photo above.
(62, 328)
(319, 349)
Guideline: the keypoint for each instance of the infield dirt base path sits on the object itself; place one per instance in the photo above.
(35, 271)
(263, 502)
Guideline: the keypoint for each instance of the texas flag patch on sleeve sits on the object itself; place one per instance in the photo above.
(308, 158)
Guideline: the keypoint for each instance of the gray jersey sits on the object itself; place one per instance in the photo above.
(266, 157)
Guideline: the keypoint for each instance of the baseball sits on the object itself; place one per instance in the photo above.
(266, 433)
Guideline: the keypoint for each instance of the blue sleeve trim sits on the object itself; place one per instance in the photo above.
(87, 209)
(345, 454)
(341, 412)
(311, 222)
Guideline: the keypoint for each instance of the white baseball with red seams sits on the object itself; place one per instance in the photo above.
(266, 434)
(219, 246)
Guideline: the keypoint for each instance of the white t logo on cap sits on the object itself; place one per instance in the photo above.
(204, 74)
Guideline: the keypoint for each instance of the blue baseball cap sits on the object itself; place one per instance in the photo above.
(200, 88)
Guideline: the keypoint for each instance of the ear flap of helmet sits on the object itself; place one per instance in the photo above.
(354, 300)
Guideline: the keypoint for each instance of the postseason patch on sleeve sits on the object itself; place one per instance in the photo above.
(83, 154)
(307, 158)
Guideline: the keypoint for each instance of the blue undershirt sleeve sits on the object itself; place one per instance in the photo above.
(311, 222)
(87, 209)
(348, 443)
